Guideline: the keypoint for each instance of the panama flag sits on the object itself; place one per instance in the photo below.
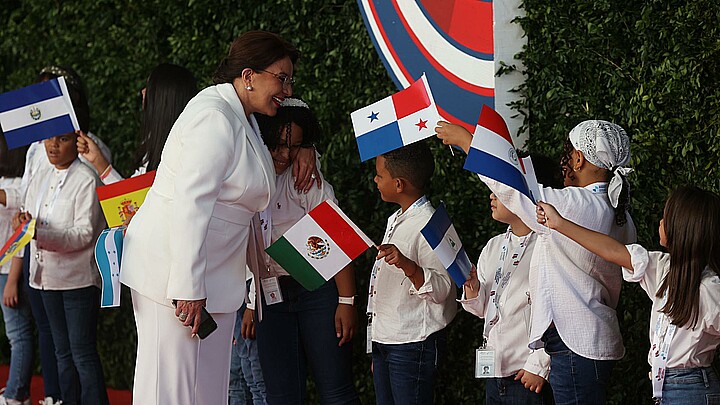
(492, 154)
(440, 234)
(119, 201)
(108, 252)
(37, 112)
(319, 245)
(405, 117)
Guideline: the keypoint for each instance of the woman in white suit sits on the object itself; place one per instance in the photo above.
(188, 242)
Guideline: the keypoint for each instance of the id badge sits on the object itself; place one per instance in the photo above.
(484, 363)
(271, 290)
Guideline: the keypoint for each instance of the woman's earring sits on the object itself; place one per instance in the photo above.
(248, 88)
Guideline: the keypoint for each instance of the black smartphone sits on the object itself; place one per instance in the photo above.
(207, 323)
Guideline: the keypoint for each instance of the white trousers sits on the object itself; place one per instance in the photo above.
(173, 368)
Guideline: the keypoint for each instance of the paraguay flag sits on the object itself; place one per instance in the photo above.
(119, 201)
(17, 241)
(319, 245)
(405, 117)
(445, 242)
(37, 112)
(108, 253)
(492, 154)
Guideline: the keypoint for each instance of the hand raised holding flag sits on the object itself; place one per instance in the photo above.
(392, 255)
(453, 134)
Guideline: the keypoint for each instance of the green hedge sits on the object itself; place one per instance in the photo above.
(648, 65)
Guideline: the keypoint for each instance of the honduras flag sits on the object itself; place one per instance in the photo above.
(108, 255)
(444, 240)
(492, 154)
(36, 112)
(405, 117)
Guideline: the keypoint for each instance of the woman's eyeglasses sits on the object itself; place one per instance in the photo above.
(287, 81)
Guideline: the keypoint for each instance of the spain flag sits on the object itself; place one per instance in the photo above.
(120, 201)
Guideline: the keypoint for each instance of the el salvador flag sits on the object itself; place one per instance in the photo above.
(492, 154)
(407, 116)
(440, 234)
(36, 112)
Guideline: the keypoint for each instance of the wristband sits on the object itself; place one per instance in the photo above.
(105, 172)
(347, 300)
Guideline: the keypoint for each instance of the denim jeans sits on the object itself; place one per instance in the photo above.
(246, 380)
(691, 386)
(404, 374)
(575, 379)
(48, 362)
(300, 332)
(507, 391)
(18, 329)
(73, 321)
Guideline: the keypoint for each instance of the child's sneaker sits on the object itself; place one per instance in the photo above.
(49, 401)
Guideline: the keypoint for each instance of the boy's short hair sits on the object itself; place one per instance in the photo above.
(413, 162)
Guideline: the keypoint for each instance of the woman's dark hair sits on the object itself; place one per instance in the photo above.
(169, 88)
(255, 50)
(76, 89)
(623, 198)
(12, 161)
(692, 232)
(547, 170)
(272, 128)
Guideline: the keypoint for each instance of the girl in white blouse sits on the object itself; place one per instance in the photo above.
(684, 285)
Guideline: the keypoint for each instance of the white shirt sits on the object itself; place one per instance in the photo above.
(509, 336)
(68, 224)
(689, 347)
(36, 158)
(402, 313)
(569, 285)
(6, 216)
(114, 176)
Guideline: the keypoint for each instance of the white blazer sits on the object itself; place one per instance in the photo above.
(188, 240)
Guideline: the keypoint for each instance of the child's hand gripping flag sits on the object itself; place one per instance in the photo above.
(319, 245)
(405, 117)
(492, 154)
(22, 236)
(37, 112)
(120, 201)
(445, 242)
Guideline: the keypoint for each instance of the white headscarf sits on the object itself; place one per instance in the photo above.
(607, 146)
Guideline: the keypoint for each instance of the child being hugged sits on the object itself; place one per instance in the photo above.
(498, 290)
(411, 298)
(575, 292)
(62, 198)
(684, 285)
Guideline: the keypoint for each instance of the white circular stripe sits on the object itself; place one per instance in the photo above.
(383, 46)
(467, 68)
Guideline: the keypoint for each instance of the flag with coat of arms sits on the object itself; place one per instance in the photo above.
(492, 154)
(442, 237)
(319, 245)
(37, 112)
(119, 201)
(405, 117)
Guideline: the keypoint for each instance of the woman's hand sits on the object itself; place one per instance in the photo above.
(472, 285)
(247, 328)
(531, 381)
(453, 134)
(548, 215)
(304, 170)
(188, 313)
(91, 152)
(345, 323)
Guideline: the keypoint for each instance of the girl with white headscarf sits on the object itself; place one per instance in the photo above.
(574, 292)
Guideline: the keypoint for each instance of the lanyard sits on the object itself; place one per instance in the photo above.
(664, 332)
(492, 316)
(266, 229)
(50, 205)
(388, 234)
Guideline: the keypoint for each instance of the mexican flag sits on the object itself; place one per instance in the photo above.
(319, 245)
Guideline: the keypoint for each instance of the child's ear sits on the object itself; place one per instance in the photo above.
(399, 184)
(579, 161)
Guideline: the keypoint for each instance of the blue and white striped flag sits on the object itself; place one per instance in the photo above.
(444, 240)
(108, 255)
(36, 112)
